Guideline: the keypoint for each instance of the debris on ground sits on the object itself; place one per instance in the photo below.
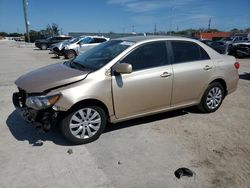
(70, 151)
(183, 172)
(38, 143)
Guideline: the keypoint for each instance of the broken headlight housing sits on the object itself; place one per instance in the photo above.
(41, 102)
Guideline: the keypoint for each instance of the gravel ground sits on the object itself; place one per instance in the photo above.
(139, 153)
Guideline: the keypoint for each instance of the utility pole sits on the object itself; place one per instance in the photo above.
(25, 19)
(155, 29)
(209, 24)
(133, 28)
(171, 19)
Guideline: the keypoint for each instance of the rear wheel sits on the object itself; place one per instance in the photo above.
(69, 54)
(43, 47)
(212, 98)
(84, 124)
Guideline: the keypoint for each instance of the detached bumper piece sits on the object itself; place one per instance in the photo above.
(43, 119)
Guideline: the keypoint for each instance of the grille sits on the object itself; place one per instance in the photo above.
(22, 97)
(56, 49)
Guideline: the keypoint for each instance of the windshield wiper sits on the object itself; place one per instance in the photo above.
(75, 64)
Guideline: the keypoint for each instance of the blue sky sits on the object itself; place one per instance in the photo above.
(122, 15)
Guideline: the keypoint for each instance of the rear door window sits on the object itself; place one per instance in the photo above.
(185, 51)
(98, 40)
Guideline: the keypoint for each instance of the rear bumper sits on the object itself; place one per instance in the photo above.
(41, 119)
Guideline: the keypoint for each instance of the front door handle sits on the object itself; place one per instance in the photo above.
(166, 74)
(207, 67)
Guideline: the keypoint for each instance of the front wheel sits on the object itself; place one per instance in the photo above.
(43, 47)
(84, 124)
(212, 98)
(69, 54)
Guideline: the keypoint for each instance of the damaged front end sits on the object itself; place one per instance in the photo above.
(36, 109)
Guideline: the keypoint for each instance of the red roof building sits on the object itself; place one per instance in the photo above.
(210, 36)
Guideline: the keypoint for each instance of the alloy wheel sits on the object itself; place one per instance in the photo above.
(85, 123)
(214, 98)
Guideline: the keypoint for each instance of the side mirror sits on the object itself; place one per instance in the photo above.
(123, 68)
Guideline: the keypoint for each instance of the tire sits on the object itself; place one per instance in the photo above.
(76, 126)
(43, 47)
(69, 54)
(212, 98)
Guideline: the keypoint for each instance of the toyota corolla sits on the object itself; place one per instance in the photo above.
(123, 79)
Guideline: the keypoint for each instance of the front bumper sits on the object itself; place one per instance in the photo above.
(38, 45)
(44, 119)
(56, 51)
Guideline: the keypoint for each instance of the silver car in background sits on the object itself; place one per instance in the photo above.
(58, 48)
(72, 49)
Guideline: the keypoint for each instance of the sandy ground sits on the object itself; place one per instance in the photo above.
(140, 153)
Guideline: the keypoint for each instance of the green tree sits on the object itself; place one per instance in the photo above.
(52, 29)
(3, 34)
(55, 29)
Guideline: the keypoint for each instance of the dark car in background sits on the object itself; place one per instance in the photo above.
(240, 49)
(43, 44)
(218, 46)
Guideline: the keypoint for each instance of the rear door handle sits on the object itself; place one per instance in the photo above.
(165, 74)
(207, 67)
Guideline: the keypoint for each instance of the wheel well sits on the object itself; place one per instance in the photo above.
(71, 50)
(223, 83)
(92, 102)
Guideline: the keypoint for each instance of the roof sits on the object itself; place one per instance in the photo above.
(149, 37)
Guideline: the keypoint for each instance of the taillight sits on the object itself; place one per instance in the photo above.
(237, 65)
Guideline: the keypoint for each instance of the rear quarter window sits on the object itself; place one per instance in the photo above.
(185, 51)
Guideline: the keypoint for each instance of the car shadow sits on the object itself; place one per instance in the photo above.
(55, 57)
(23, 131)
(245, 76)
(143, 120)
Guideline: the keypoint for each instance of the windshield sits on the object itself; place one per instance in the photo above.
(97, 57)
(85, 40)
(228, 39)
(71, 41)
(49, 38)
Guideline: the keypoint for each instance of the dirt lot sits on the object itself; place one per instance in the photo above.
(139, 153)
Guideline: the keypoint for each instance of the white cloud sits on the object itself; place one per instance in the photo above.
(140, 6)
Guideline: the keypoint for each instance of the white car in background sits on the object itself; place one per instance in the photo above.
(58, 48)
(71, 50)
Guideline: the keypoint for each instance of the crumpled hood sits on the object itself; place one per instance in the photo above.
(49, 77)
(60, 45)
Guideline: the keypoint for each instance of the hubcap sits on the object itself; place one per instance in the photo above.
(85, 123)
(214, 98)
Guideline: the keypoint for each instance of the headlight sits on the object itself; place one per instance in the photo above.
(41, 102)
(66, 47)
